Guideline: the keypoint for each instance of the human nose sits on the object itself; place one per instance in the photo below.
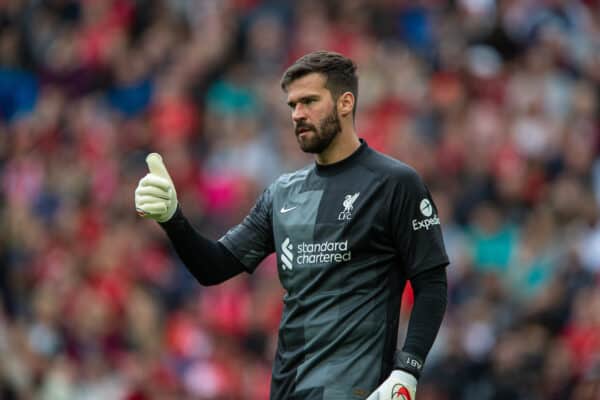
(298, 113)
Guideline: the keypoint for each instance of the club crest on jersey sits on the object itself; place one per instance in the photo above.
(348, 204)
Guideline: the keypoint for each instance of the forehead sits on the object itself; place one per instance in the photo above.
(310, 84)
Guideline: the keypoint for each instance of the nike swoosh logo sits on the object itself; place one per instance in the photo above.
(285, 210)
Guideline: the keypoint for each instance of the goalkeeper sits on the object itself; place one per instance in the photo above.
(349, 231)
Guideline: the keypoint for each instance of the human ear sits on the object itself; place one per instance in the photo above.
(345, 104)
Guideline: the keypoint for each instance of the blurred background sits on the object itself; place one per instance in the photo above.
(495, 103)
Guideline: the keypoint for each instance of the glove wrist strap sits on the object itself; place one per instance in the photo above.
(408, 362)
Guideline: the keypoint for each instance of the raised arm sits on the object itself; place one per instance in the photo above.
(155, 198)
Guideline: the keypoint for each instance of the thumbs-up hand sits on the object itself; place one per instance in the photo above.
(155, 195)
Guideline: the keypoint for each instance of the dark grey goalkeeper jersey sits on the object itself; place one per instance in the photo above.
(347, 237)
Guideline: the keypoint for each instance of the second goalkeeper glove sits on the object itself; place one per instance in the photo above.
(400, 385)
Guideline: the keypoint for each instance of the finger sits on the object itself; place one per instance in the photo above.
(156, 165)
(153, 191)
(141, 200)
(155, 180)
(152, 209)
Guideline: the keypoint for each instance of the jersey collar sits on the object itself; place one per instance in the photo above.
(331, 169)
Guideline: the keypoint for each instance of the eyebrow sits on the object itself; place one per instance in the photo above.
(303, 99)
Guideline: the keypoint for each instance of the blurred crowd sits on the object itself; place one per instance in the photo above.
(495, 103)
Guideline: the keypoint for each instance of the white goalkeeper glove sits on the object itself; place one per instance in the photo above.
(399, 386)
(155, 195)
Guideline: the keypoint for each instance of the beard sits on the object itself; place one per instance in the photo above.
(322, 136)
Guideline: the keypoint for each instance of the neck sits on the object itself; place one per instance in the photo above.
(344, 144)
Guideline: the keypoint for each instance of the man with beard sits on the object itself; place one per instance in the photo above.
(348, 230)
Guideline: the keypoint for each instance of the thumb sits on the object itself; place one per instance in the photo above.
(156, 166)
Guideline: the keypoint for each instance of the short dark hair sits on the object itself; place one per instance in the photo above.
(339, 71)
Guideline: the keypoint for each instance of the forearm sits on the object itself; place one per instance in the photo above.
(209, 261)
(430, 293)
